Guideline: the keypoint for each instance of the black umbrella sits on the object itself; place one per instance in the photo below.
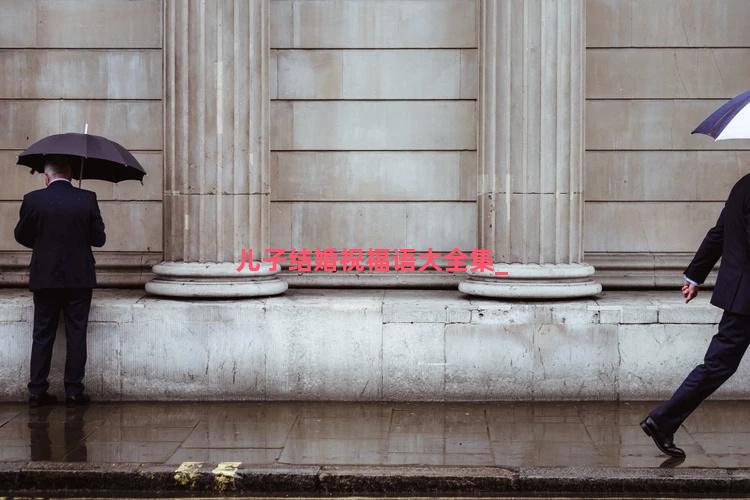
(92, 157)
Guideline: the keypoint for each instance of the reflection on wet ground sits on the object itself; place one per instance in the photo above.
(509, 434)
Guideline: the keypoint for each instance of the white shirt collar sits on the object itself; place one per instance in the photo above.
(59, 179)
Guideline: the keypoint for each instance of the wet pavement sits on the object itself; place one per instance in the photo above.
(597, 434)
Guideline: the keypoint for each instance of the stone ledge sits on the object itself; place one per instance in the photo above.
(377, 345)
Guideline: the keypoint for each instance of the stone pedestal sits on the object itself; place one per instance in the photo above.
(195, 279)
(533, 281)
(216, 152)
(531, 150)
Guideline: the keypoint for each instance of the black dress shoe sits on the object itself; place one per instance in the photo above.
(37, 400)
(663, 441)
(78, 400)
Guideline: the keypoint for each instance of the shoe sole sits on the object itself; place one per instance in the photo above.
(650, 434)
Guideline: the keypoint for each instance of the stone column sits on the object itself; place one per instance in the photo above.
(531, 148)
(216, 151)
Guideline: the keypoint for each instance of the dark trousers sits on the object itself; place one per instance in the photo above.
(721, 361)
(75, 304)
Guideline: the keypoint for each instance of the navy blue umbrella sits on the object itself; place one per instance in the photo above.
(731, 121)
(91, 157)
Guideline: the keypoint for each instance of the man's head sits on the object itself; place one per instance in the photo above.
(56, 167)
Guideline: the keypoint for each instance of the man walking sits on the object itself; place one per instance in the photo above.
(730, 240)
(60, 223)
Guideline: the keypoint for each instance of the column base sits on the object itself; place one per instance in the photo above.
(532, 281)
(214, 280)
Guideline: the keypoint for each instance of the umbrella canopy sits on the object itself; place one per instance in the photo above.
(731, 121)
(98, 157)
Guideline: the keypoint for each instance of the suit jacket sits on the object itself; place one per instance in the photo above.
(730, 240)
(61, 223)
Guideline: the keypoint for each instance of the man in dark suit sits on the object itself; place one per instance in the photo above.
(60, 223)
(729, 240)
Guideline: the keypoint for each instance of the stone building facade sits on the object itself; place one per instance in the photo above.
(385, 123)
(555, 133)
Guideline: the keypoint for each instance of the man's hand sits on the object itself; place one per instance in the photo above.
(689, 291)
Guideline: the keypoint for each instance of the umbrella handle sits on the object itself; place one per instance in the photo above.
(80, 174)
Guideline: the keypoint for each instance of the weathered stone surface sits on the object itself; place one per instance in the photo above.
(374, 23)
(651, 125)
(215, 280)
(641, 270)
(14, 357)
(488, 346)
(400, 306)
(377, 225)
(653, 63)
(373, 125)
(655, 70)
(391, 125)
(591, 348)
(80, 74)
(67, 63)
(543, 231)
(645, 351)
(380, 175)
(700, 314)
(73, 23)
(374, 74)
(649, 226)
(314, 350)
(530, 188)
(686, 23)
(134, 124)
(666, 73)
(680, 176)
(216, 130)
(414, 361)
(376, 345)
(217, 153)
(222, 215)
